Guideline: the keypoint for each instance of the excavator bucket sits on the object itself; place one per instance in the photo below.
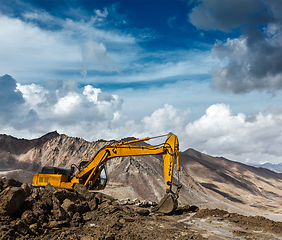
(167, 205)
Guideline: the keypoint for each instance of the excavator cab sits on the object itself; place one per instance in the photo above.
(101, 181)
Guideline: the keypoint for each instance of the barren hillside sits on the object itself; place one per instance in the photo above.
(207, 181)
(235, 186)
(24, 157)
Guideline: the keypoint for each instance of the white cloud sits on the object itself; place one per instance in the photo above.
(91, 93)
(90, 113)
(235, 48)
(33, 94)
(68, 109)
(95, 56)
(67, 104)
(166, 119)
(93, 114)
(68, 49)
(32, 49)
(219, 132)
(73, 47)
(101, 14)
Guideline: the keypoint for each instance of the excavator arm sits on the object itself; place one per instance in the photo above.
(90, 173)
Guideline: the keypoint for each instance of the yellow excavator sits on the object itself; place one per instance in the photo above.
(92, 173)
(4, 179)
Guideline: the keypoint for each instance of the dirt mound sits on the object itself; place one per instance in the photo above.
(55, 213)
(61, 214)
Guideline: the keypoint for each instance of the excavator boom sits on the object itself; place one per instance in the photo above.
(90, 174)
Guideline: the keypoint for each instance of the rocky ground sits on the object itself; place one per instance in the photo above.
(60, 214)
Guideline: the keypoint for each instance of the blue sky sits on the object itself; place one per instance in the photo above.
(208, 70)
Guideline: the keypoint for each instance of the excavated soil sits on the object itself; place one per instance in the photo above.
(60, 214)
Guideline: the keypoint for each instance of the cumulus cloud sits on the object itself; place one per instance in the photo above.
(220, 132)
(254, 66)
(90, 113)
(166, 119)
(68, 109)
(251, 61)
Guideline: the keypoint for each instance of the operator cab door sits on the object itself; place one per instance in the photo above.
(101, 181)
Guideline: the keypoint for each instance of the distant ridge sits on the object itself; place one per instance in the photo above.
(271, 166)
(19, 145)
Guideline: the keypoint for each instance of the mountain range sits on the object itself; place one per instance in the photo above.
(275, 167)
(213, 182)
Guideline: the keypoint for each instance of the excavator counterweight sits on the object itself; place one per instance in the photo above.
(92, 173)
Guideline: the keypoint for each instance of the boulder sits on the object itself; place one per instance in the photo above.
(12, 199)
(146, 203)
(82, 207)
(39, 209)
(104, 197)
(68, 205)
(50, 188)
(35, 194)
(62, 194)
(58, 212)
(93, 204)
(82, 191)
(126, 201)
(26, 189)
(108, 207)
(76, 220)
(12, 183)
(142, 211)
(46, 196)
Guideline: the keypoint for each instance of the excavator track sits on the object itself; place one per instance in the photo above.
(168, 204)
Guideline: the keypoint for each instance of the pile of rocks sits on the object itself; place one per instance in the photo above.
(137, 202)
(26, 213)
